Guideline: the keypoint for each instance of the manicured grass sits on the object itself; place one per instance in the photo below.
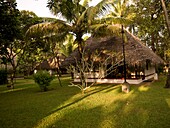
(103, 106)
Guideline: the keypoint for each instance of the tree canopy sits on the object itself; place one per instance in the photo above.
(9, 24)
(45, 36)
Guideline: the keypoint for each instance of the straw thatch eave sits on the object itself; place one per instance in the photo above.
(136, 52)
(51, 63)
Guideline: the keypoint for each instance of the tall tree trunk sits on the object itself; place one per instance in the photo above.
(58, 77)
(82, 63)
(167, 85)
(12, 78)
(166, 16)
(153, 42)
(58, 64)
(58, 70)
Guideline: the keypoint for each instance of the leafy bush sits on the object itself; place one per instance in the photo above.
(3, 77)
(160, 69)
(43, 79)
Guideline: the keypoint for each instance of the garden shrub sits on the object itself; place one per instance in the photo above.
(43, 79)
(160, 69)
(3, 77)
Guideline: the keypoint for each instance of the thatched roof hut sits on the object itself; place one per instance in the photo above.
(136, 52)
(48, 64)
(51, 63)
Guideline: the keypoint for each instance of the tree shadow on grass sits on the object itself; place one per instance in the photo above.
(74, 118)
(30, 105)
(51, 118)
(146, 106)
(26, 105)
(87, 94)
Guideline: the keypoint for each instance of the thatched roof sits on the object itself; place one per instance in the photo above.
(51, 63)
(48, 64)
(136, 52)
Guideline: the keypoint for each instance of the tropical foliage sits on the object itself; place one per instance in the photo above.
(77, 20)
(50, 37)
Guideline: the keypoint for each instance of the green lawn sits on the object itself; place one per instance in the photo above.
(102, 106)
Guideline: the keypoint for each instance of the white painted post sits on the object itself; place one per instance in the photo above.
(156, 76)
(35, 71)
(125, 87)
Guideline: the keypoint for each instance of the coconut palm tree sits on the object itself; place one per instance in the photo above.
(117, 15)
(76, 18)
(114, 22)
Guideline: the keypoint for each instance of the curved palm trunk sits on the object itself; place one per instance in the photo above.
(166, 16)
(167, 85)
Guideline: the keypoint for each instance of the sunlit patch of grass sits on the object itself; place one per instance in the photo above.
(143, 88)
(13, 90)
(102, 106)
(168, 101)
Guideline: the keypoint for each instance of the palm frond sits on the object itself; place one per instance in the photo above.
(119, 7)
(56, 38)
(116, 9)
(67, 48)
(118, 20)
(91, 13)
(48, 28)
(102, 8)
(64, 8)
(87, 17)
(48, 19)
(101, 30)
(82, 18)
(114, 29)
(68, 9)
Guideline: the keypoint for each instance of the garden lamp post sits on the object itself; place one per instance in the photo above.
(125, 85)
(124, 58)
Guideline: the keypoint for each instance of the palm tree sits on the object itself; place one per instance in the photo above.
(76, 18)
(117, 15)
(68, 47)
(115, 21)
